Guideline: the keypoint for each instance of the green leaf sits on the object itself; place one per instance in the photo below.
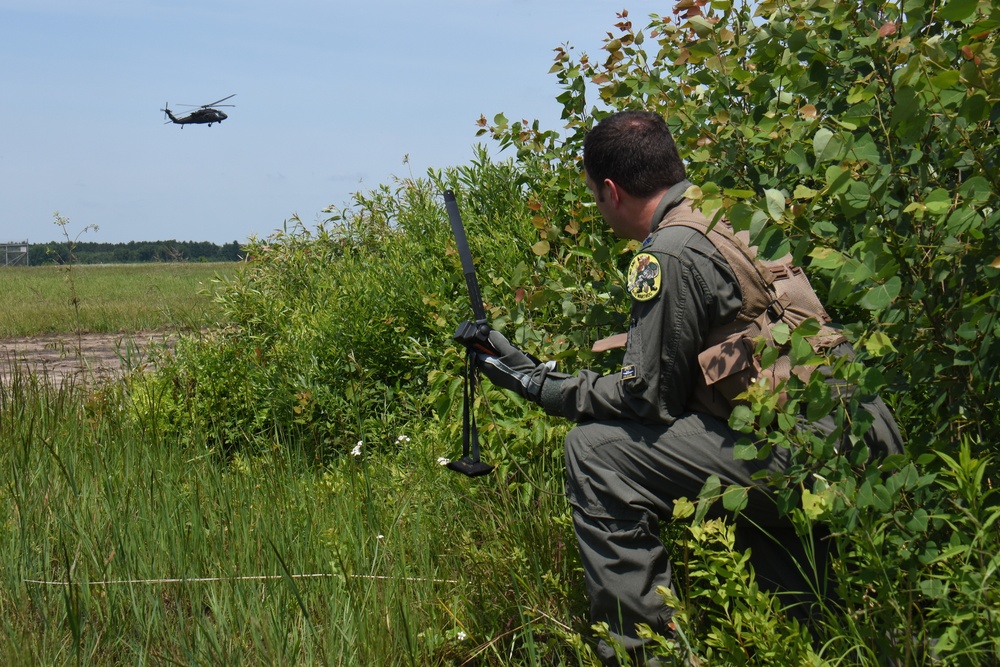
(945, 79)
(958, 10)
(864, 497)
(827, 146)
(734, 498)
(802, 192)
(781, 333)
(836, 180)
(798, 39)
(878, 344)
(802, 351)
(740, 216)
(909, 116)
(758, 223)
(881, 296)
(742, 420)
(919, 521)
(710, 489)
(808, 327)
(769, 356)
(771, 243)
(814, 505)
(744, 450)
(683, 508)
(976, 190)
(827, 258)
(881, 501)
(865, 149)
(938, 202)
(775, 203)
(856, 198)
(796, 155)
(975, 108)
(702, 27)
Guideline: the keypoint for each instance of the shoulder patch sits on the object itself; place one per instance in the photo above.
(643, 281)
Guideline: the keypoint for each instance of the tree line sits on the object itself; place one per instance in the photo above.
(133, 252)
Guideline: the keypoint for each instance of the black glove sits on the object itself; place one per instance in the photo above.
(512, 369)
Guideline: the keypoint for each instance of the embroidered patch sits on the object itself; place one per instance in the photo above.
(628, 372)
(643, 281)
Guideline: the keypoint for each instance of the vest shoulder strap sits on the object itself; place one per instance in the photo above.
(753, 277)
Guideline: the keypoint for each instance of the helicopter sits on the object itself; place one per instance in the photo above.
(206, 113)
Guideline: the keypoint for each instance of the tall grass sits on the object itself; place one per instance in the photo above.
(121, 547)
(110, 298)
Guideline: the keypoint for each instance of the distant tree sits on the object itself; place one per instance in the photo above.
(135, 252)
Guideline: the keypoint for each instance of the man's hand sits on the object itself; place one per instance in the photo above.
(512, 369)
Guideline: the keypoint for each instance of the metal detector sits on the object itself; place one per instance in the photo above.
(475, 337)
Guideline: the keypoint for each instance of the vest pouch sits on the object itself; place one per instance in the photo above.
(727, 370)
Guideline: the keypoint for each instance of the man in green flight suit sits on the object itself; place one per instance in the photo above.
(642, 440)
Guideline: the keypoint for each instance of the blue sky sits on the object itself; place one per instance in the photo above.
(330, 97)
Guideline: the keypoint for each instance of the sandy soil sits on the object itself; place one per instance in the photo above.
(83, 358)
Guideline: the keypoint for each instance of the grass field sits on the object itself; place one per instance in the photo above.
(109, 298)
(121, 548)
(120, 545)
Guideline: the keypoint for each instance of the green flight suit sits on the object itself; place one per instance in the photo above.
(638, 447)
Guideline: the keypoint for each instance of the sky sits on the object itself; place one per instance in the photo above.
(331, 98)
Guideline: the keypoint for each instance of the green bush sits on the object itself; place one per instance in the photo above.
(333, 333)
(862, 139)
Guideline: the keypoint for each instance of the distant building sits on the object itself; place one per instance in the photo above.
(14, 253)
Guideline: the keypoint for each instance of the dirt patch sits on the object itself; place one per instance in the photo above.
(87, 357)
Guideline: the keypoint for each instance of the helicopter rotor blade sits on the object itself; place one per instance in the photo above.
(216, 102)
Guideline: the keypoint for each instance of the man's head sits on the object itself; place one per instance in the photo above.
(635, 150)
(631, 160)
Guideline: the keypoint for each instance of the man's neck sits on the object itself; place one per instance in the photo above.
(659, 204)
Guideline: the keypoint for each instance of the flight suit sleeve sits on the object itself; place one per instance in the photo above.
(669, 321)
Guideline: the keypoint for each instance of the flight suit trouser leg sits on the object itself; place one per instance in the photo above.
(622, 480)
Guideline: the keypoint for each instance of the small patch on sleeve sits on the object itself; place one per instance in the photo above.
(643, 282)
(628, 373)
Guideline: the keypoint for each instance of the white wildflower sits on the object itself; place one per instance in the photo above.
(461, 636)
(442, 461)
(403, 438)
(357, 448)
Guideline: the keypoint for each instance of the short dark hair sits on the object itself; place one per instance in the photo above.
(635, 150)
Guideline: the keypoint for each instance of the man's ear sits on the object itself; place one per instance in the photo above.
(614, 192)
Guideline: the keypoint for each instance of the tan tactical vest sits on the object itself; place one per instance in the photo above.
(772, 291)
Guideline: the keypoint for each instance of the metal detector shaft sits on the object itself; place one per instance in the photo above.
(478, 311)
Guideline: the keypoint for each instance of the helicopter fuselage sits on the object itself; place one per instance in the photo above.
(200, 116)
(205, 114)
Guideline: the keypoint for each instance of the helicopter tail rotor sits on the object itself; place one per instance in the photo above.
(168, 114)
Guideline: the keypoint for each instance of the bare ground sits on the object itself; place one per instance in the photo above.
(85, 357)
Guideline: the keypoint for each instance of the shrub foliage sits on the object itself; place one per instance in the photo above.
(860, 137)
